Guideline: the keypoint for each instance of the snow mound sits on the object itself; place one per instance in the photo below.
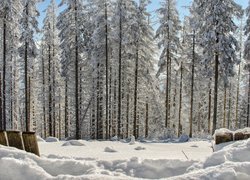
(132, 141)
(115, 138)
(52, 139)
(140, 148)
(39, 139)
(109, 149)
(231, 162)
(16, 163)
(244, 131)
(149, 169)
(73, 143)
(222, 131)
(183, 138)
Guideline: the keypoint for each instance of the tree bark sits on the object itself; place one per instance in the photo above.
(1, 108)
(78, 134)
(215, 91)
(120, 72)
(192, 90)
(225, 107)
(4, 72)
(66, 110)
(107, 71)
(248, 101)
(237, 121)
(27, 117)
(136, 92)
(180, 103)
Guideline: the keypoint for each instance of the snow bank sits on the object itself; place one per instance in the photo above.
(74, 143)
(52, 139)
(183, 138)
(39, 139)
(231, 162)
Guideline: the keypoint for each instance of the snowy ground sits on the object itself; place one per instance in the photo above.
(95, 150)
(120, 160)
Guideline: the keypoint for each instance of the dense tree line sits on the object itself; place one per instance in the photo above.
(92, 71)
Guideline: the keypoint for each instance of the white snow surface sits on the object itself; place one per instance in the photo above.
(156, 161)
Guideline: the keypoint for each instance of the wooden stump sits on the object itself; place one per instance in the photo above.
(246, 136)
(238, 136)
(30, 143)
(15, 139)
(3, 138)
(222, 138)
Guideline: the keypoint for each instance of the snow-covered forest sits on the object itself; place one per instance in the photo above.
(99, 69)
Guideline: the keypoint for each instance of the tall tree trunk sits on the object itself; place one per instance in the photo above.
(209, 106)
(1, 108)
(248, 101)
(215, 91)
(59, 120)
(50, 94)
(180, 103)
(192, 90)
(110, 104)
(167, 77)
(66, 110)
(107, 71)
(78, 134)
(127, 116)
(135, 91)
(27, 120)
(225, 107)
(237, 121)
(229, 106)
(120, 71)
(147, 120)
(44, 98)
(4, 73)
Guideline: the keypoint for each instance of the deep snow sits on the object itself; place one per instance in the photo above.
(141, 160)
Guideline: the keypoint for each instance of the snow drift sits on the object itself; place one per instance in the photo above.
(230, 162)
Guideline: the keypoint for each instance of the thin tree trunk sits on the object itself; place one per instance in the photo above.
(209, 106)
(4, 72)
(167, 77)
(1, 108)
(78, 134)
(110, 104)
(192, 90)
(229, 106)
(225, 107)
(107, 71)
(136, 92)
(127, 115)
(215, 91)
(50, 95)
(66, 110)
(44, 99)
(180, 103)
(248, 101)
(120, 72)
(237, 121)
(146, 120)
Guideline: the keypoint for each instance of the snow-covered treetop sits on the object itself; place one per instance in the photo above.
(214, 20)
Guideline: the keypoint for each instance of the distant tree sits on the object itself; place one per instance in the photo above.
(167, 34)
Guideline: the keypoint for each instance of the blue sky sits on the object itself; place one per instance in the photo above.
(153, 6)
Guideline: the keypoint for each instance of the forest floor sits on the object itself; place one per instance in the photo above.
(128, 160)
